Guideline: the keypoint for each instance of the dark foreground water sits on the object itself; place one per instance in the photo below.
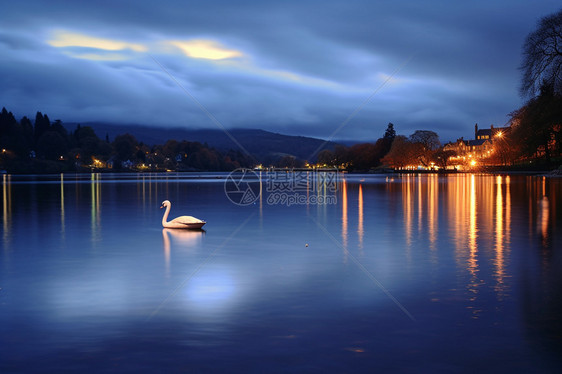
(406, 274)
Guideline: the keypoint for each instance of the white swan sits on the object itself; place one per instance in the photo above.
(182, 222)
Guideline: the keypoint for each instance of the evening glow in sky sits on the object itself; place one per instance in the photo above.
(298, 67)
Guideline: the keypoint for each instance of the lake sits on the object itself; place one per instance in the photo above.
(293, 272)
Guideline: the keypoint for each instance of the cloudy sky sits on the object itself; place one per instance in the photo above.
(315, 68)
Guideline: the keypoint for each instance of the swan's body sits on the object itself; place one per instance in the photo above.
(182, 222)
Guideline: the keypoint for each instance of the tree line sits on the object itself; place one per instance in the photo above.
(46, 146)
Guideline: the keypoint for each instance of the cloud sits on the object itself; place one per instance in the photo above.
(294, 67)
(205, 49)
(69, 39)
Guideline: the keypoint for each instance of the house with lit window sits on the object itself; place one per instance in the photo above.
(476, 148)
(491, 133)
(480, 147)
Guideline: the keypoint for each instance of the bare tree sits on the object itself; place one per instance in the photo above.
(429, 139)
(542, 56)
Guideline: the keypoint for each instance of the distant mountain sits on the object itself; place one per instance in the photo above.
(259, 143)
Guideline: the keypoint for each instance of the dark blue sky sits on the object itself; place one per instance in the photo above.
(300, 67)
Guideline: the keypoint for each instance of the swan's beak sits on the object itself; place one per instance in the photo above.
(161, 206)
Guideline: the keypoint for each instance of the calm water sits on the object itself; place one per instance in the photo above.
(412, 274)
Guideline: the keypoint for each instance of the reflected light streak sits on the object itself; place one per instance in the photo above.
(432, 211)
(499, 261)
(95, 203)
(143, 190)
(321, 190)
(6, 207)
(457, 204)
(420, 207)
(542, 220)
(473, 249)
(408, 211)
(507, 211)
(472, 226)
(62, 224)
(360, 231)
(344, 217)
(261, 199)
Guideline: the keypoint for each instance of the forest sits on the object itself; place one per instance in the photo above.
(48, 147)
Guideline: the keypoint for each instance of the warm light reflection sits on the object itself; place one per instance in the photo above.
(507, 211)
(205, 49)
(458, 204)
(407, 197)
(420, 206)
(542, 221)
(261, 197)
(62, 223)
(321, 189)
(472, 247)
(543, 213)
(6, 207)
(360, 231)
(432, 210)
(499, 261)
(344, 217)
(95, 191)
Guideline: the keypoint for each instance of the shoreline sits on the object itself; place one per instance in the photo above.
(546, 173)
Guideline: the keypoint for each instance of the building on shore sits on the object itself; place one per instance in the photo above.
(470, 152)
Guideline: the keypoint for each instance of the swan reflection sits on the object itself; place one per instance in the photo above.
(181, 239)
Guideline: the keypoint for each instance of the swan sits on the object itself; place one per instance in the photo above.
(182, 222)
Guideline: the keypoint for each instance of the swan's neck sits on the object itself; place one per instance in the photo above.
(165, 218)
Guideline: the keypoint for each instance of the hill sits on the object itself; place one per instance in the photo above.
(259, 143)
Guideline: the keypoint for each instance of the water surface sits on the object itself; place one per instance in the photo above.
(412, 273)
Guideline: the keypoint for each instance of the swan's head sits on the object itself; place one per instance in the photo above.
(165, 204)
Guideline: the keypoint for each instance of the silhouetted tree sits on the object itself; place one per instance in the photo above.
(542, 57)
(86, 145)
(390, 133)
(27, 128)
(363, 156)
(326, 157)
(429, 139)
(403, 153)
(52, 145)
(42, 125)
(441, 157)
(125, 147)
(537, 127)
(428, 142)
(12, 136)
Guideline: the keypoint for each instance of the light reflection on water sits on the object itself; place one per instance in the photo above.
(86, 265)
